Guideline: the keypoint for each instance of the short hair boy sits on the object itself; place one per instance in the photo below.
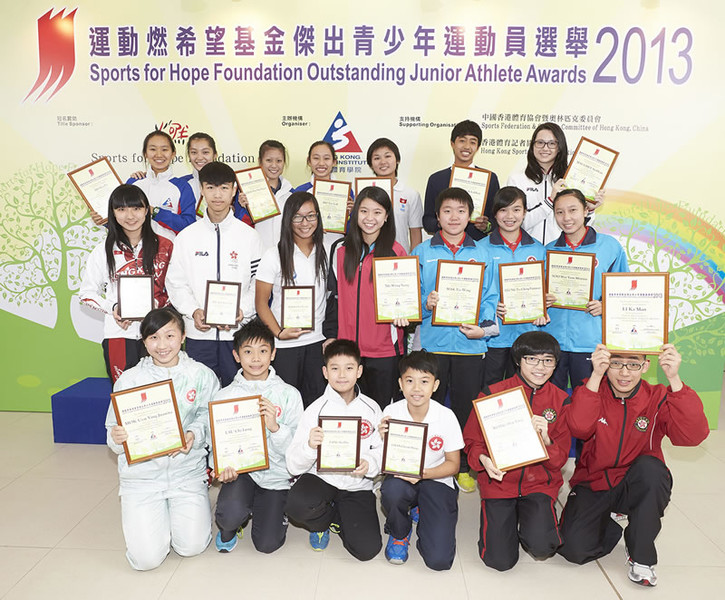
(219, 247)
(340, 502)
(258, 495)
(622, 420)
(466, 139)
(517, 506)
(431, 501)
(459, 350)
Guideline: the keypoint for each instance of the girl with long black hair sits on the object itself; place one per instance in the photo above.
(131, 248)
(298, 259)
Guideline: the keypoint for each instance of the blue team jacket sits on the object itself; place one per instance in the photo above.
(440, 338)
(528, 250)
(578, 331)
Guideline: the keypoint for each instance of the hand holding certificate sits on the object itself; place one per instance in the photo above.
(590, 167)
(135, 296)
(475, 182)
(396, 284)
(635, 312)
(238, 434)
(505, 420)
(332, 198)
(459, 286)
(339, 451)
(261, 202)
(570, 277)
(150, 416)
(522, 291)
(404, 448)
(95, 182)
(298, 307)
(221, 306)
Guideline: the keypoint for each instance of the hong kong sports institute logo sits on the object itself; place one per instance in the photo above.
(56, 53)
(350, 161)
(341, 137)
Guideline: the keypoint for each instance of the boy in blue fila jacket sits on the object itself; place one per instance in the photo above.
(459, 350)
(578, 332)
(508, 243)
(259, 493)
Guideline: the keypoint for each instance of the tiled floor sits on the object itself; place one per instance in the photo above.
(60, 537)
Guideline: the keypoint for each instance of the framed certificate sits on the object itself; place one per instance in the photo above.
(396, 285)
(382, 182)
(505, 420)
(332, 198)
(95, 182)
(459, 286)
(221, 304)
(261, 202)
(150, 416)
(570, 277)
(339, 451)
(135, 296)
(238, 435)
(590, 167)
(522, 291)
(635, 312)
(298, 307)
(475, 182)
(404, 448)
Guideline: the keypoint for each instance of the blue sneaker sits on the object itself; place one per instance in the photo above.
(225, 546)
(415, 514)
(396, 551)
(319, 540)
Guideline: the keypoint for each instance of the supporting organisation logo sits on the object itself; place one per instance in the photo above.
(56, 53)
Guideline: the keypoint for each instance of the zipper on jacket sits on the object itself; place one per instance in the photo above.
(621, 435)
(218, 261)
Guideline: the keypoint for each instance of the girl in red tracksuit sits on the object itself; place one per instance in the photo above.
(350, 307)
(517, 506)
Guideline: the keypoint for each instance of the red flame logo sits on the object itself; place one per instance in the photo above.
(56, 52)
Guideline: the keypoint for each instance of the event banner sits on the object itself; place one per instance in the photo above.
(90, 79)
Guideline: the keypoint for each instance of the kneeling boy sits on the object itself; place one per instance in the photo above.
(622, 421)
(433, 500)
(517, 506)
(259, 493)
(339, 502)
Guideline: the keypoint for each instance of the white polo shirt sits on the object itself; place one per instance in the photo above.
(270, 271)
(444, 432)
(407, 212)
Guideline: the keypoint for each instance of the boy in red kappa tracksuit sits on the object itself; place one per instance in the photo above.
(622, 421)
(517, 506)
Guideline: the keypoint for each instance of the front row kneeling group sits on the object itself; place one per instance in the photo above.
(620, 418)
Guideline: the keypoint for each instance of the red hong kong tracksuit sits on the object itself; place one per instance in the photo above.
(520, 508)
(622, 468)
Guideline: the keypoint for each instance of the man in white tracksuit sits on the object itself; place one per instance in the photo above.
(221, 248)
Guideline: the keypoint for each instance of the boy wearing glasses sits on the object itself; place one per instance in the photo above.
(622, 421)
(517, 506)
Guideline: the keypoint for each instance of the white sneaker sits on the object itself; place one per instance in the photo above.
(641, 574)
